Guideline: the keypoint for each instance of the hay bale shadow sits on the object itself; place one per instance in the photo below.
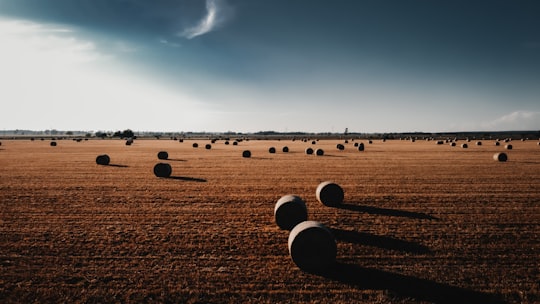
(118, 166)
(188, 179)
(403, 286)
(385, 211)
(177, 159)
(379, 241)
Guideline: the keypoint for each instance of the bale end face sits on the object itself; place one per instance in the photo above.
(103, 160)
(163, 155)
(246, 154)
(502, 157)
(208, 146)
(53, 144)
(312, 246)
(285, 149)
(330, 194)
(319, 152)
(272, 150)
(289, 211)
(162, 170)
(508, 147)
(195, 145)
(309, 151)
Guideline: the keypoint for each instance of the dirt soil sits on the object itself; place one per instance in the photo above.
(421, 222)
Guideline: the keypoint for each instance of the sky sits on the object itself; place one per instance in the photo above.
(371, 66)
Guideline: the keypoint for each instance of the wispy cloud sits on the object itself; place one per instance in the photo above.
(208, 23)
(517, 120)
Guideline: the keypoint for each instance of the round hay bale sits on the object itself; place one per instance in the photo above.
(235, 143)
(162, 170)
(355, 144)
(309, 151)
(440, 142)
(208, 146)
(272, 150)
(329, 194)
(370, 142)
(289, 211)
(103, 159)
(313, 142)
(346, 141)
(502, 157)
(246, 154)
(226, 142)
(497, 143)
(195, 145)
(181, 140)
(478, 143)
(464, 146)
(452, 144)
(508, 147)
(319, 152)
(163, 155)
(285, 149)
(361, 147)
(53, 144)
(340, 147)
(312, 246)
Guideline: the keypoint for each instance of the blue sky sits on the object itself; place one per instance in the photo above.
(252, 65)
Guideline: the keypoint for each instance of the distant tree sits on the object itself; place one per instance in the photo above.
(69, 133)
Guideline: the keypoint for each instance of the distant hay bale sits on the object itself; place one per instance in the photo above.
(285, 149)
(129, 142)
(478, 143)
(226, 142)
(356, 144)
(319, 152)
(208, 146)
(346, 141)
(246, 154)
(195, 145)
(53, 144)
(508, 147)
(181, 140)
(163, 155)
(309, 151)
(440, 142)
(103, 159)
(340, 147)
(235, 143)
(452, 144)
(289, 211)
(497, 143)
(329, 194)
(370, 142)
(162, 170)
(502, 157)
(272, 150)
(213, 141)
(312, 246)
(313, 142)
(464, 146)
(361, 147)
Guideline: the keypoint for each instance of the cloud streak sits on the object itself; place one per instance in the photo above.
(518, 120)
(207, 24)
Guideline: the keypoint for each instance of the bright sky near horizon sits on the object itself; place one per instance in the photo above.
(254, 65)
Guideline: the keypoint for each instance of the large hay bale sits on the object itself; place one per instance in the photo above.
(53, 144)
(285, 149)
(163, 155)
(508, 147)
(208, 146)
(340, 147)
(309, 151)
(246, 154)
(312, 246)
(319, 152)
(289, 211)
(103, 159)
(361, 147)
(272, 150)
(162, 170)
(502, 157)
(195, 145)
(329, 194)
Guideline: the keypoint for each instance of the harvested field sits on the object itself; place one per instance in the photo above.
(420, 223)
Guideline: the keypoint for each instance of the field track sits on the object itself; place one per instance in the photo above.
(420, 223)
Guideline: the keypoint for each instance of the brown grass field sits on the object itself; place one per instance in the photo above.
(421, 223)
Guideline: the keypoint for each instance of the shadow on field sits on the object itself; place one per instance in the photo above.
(379, 241)
(176, 159)
(188, 179)
(399, 285)
(118, 166)
(384, 211)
